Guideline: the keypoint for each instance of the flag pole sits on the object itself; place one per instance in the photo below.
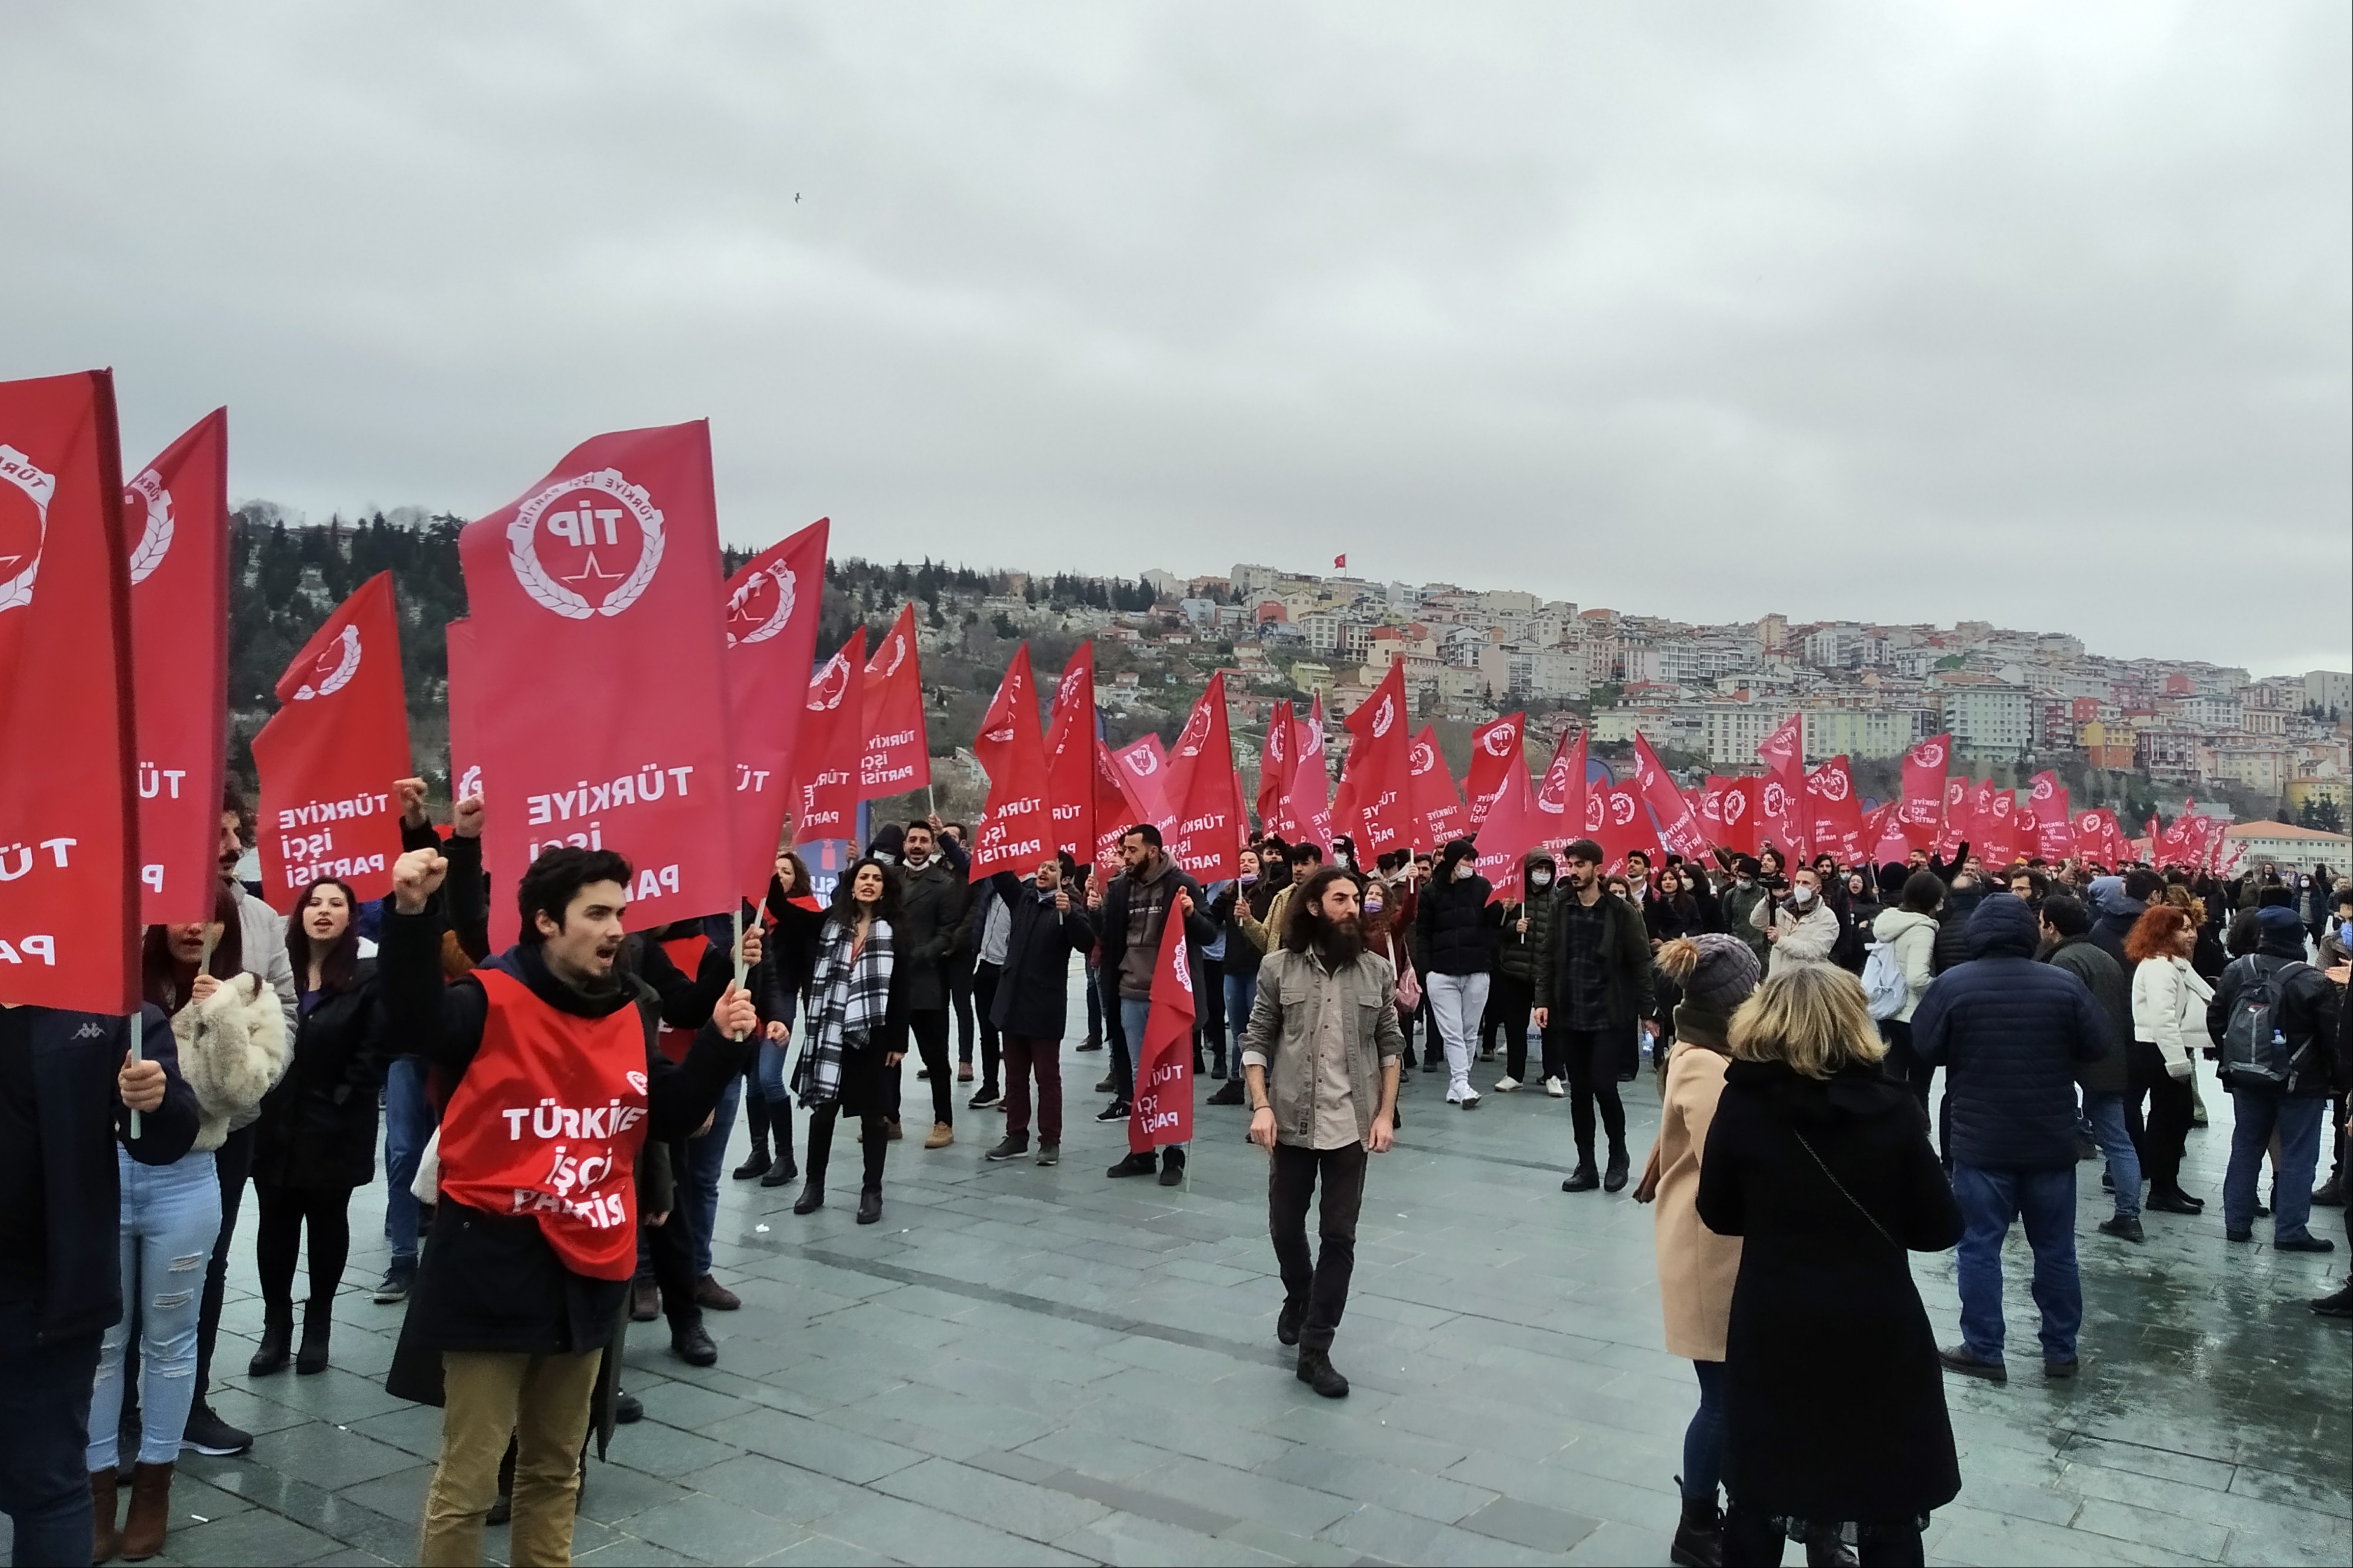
(737, 952)
(138, 1029)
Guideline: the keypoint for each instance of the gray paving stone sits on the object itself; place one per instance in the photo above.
(914, 1533)
(713, 1530)
(1529, 1524)
(1131, 1540)
(1018, 1508)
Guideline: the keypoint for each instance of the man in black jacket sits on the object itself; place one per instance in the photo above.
(1593, 985)
(68, 1087)
(1132, 919)
(932, 897)
(533, 1241)
(2011, 1034)
(1029, 1003)
(2067, 944)
(2304, 1018)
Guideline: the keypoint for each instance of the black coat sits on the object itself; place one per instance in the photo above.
(1625, 959)
(1033, 993)
(318, 1122)
(787, 956)
(1952, 944)
(931, 904)
(2108, 933)
(1458, 927)
(57, 1160)
(2111, 987)
(2011, 1035)
(2306, 1013)
(1835, 1402)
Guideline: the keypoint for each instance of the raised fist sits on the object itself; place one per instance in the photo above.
(410, 793)
(466, 821)
(416, 876)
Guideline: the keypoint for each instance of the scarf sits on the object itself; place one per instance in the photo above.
(850, 997)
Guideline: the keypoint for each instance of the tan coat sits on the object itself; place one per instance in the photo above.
(1696, 1267)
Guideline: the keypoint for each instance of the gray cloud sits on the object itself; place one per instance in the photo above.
(2032, 314)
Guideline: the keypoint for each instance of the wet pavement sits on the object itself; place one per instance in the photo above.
(1031, 1365)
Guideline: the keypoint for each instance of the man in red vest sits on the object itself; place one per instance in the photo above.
(559, 1084)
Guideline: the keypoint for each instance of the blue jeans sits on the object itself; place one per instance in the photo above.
(408, 1122)
(1703, 1438)
(45, 1388)
(2106, 1114)
(706, 1162)
(2045, 1200)
(1134, 1014)
(2256, 1115)
(1242, 996)
(171, 1216)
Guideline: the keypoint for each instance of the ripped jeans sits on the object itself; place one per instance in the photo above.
(171, 1217)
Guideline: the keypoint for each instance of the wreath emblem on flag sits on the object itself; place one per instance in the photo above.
(345, 651)
(523, 548)
(782, 576)
(155, 543)
(15, 468)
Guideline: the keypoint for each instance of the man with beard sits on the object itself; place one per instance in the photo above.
(1312, 1072)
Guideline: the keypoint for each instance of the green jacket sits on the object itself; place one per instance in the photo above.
(1279, 1037)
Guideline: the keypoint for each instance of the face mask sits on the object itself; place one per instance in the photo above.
(2345, 932)
(1345, 860)
(1539, 878)
(1248, 879)
(1372, 906)
(1802, 895)
(886, 857)
(1462, 871)
(1743, 881)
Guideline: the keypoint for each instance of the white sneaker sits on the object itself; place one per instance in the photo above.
(1506, 1084)
(1470, 1099)
(1552, 1087)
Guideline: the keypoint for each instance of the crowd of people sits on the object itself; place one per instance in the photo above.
(555, 1119)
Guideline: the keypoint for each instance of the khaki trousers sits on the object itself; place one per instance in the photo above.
(543, 1402)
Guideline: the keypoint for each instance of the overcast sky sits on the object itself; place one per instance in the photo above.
(2040, 314)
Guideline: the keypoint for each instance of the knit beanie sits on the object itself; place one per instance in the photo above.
(1715, 971)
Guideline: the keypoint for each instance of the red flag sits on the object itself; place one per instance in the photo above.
(772, 612)
(1922, 810)
(1837, 812)
(1679, 828)
(1340, 561)
(1434, 799)
(329, 756)
(1208, 837)
(2054, 833)
(1274, 766)
(1882, 834)
(1379, 776)
(609, 565)
(832, 738)
(1780, 814)
(1784, 751)
(1496, 749)
(1739, 810)
(1144, 769)
(1513, 827)
(1116, 809)
(2000, 823)
(1710, 806)
(1564, 799)
(1015, 831)
(1306, 808)
(2097, 837)
(465, 725)
(1161, 1111)
(178, 507)
(1626, 827)
(1959, 818)
(69, 791)
(897, 757)
(1071, 756)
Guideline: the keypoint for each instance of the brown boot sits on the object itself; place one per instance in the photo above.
(105, 1504)
(150, 1512)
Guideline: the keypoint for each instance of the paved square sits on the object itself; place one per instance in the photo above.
(1027, 1365)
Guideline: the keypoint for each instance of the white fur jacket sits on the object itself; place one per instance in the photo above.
(233, 1048)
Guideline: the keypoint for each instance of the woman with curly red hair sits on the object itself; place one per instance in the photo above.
(2168, 1009)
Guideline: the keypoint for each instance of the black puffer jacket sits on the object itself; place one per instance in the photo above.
(2306, 1013)
(1457, 926)
(318, 1122)
(1952, 949)
(2011, 1035)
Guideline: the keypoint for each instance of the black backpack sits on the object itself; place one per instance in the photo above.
(2256, 1053)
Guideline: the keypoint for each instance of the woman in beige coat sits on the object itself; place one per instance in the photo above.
(1697, 1266)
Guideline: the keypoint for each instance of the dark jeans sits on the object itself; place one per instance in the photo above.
(2255, 1116)
(1025, 1055)
(666, 1251)
(755, 1103)
(1592, 1058)
(1751, 1540)
(1320, 1284)
(1094, 1010)
(874, 1147)
(960, 999)
(698, 1180)
(930, 1028)
(408, 1122)
(1703, 1438)
(2161, 1137)
(1210, 993)
(1122, 1081)
(233, 1164)
(1509, 1004)
(1990, 1199)
(284, 1211)
(44, 1432)
(984, 996)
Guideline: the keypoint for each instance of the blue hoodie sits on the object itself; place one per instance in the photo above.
(2009, 1034)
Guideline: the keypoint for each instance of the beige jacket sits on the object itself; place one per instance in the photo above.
(1696, 1267)
(1281, 1037)
(233, 1050)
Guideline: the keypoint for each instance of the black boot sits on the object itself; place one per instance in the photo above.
(812, 1196)
(1316, 1371)
(755, 1164)
(1582, 1179)
(318, 1323)
(870, 1205)
(1699, 1539)
(1230, 1093)
(783, 1171)
(1614, 1178)
(277, 1339)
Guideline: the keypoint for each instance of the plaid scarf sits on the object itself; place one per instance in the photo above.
(849, 1000)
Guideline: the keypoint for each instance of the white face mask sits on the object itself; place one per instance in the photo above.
(1462, 871)
(1802, 895)
(1539, 878)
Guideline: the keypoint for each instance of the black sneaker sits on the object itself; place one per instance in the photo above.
(396, 1282)
(2123, 1228)
(1115, 1111)
(987, 1099)
(1172, 1171)
(2340, 1305)
(627, 1409)
(2304, 1244)
(2054, 1371)
(1050, 1153)
(1009, 1148)
(207, 1434)
(1091, 1043)
(1134, 1166)
(1231, 1094)
(1958, 1359)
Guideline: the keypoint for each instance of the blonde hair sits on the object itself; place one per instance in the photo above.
(1811, 1016)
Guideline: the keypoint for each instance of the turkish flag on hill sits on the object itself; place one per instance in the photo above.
(1495, 748)
(1016, 830)
(772, 611)
(329, 757)
(176, 512)
(69, 793)
(897, 756)
(1162, 1109)
(1208, 837)
(609, 565)
(832, 738)
(1070, 757)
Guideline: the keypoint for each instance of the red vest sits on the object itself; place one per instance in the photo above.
(547, 1121)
